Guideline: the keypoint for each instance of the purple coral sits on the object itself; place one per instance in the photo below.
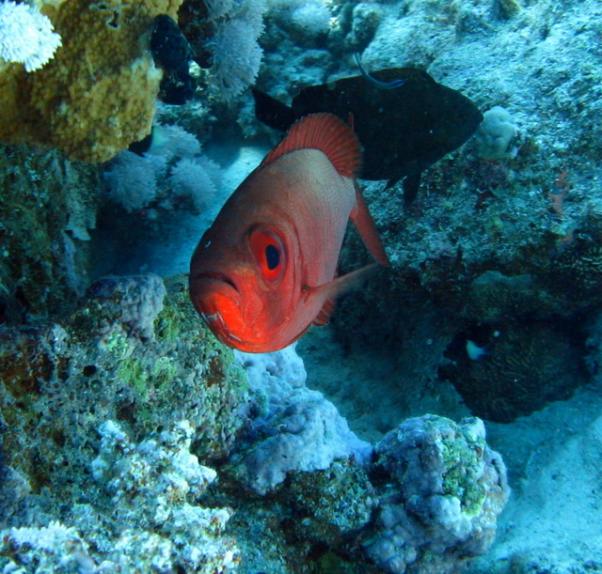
(445, 488)
(135, 301)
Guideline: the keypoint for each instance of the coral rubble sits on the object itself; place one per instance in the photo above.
(142, 518)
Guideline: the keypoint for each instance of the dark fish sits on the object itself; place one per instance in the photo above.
(404, 129)
(171, 51)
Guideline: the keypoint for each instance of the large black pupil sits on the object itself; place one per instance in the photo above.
(272, 256)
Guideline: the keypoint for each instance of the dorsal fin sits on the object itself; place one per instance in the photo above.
(326, 133)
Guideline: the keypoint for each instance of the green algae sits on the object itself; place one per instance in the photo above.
(462, 460)
(134, 375)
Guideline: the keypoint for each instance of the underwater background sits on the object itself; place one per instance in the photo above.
(447, 419)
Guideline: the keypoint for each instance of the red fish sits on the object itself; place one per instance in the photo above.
(265, 270)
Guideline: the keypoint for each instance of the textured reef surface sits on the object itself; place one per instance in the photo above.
(448, 418)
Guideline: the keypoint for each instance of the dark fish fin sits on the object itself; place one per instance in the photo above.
(390, 85)
(272, 112)
(325, 313)
(342, 284)
(410, 186)
(326, 133)
(360, 215)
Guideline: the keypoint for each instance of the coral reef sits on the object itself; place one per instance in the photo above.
(97, 94)
(47, 208)
(172, 174)
(105, 361)
(522, 367)
(133, 355)
(434, 487)
(330, 505)
(45, 549)
(293, 428)
(505, 230)
(495, 134)
(224, 39)
(27, 36)
(493, 285)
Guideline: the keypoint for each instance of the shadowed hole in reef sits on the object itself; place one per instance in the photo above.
(89, 370)
(126, 412)
(504, 371)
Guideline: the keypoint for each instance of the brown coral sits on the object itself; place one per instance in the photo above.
(97, 95)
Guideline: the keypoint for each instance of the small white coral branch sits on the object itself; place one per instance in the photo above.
(26, 36)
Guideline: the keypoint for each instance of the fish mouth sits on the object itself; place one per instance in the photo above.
(212, 276)
(216, 323)
(210, 291)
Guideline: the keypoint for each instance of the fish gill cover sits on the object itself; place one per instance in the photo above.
(133, 440)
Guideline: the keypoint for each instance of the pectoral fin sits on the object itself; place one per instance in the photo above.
(365, 225)
(325, 313)
(342, 284)
(328, 292)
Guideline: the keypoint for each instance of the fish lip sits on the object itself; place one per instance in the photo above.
(216, 276)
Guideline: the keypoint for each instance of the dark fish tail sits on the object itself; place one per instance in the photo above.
(273, 113)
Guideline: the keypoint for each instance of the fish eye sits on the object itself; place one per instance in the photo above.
(268, 249)
(272, 256)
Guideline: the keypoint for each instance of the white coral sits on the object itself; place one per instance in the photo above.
(192, 178)
(237, 57)
(26, 36)
(132, 179)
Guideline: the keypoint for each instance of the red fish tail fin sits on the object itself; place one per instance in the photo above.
(326, 133)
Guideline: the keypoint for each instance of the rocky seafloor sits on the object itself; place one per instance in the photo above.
(447, 420)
